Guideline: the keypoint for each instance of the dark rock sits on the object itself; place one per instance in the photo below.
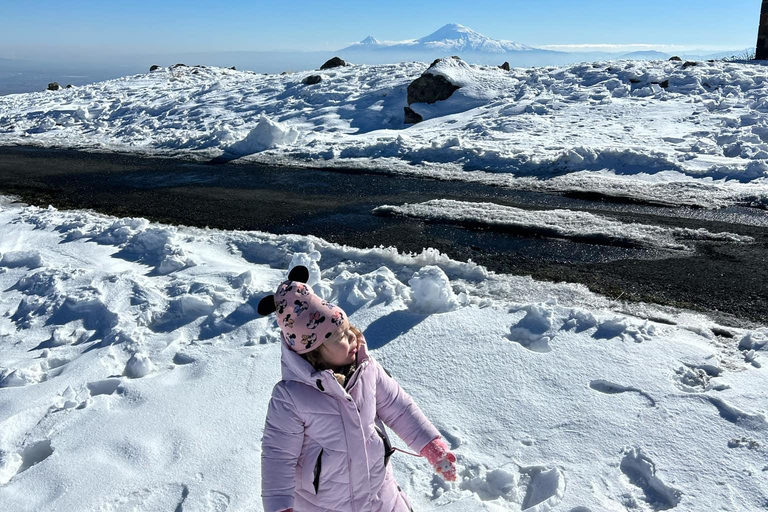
(429, 88)
(312, 80)
(69, 86)
(676, 59)
(505, 66)
(689, 64)
(664, 84)
(233, 68)
(634, 80)
(333, 63)
(179, 65)
(412, 117)
(153, 67)
(283, 73)
(54, 86)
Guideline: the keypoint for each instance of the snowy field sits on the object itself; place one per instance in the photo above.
(135, 373)
(658, 131)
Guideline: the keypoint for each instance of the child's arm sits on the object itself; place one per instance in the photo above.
(399, 412)
(280, 449)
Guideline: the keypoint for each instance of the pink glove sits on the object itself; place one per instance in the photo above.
(438, 453)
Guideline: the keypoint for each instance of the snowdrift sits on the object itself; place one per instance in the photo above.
(664, 132)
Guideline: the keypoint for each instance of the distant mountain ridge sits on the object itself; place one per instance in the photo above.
(450, 37)
(456, 39)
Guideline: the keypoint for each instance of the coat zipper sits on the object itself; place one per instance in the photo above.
(318, 469)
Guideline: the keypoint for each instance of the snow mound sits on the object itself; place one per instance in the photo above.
(138, 366)
(432, 292)
(381, 285)
(29, 259)
(267, 134)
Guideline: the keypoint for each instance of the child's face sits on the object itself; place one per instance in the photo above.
(341, 348)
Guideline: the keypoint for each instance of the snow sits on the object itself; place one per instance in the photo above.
(432, 292)
(560, 224)
(653, 131)
(124, 387)
(266, 135)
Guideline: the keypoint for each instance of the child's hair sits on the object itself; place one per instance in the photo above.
(315, 357)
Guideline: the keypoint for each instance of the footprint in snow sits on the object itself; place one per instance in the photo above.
(169, 497)
(610, 388)
(695, 378)
(528, 489)
(14, 463)
(641, 472)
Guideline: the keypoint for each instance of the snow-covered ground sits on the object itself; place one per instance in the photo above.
(654, 130)
(135, 375)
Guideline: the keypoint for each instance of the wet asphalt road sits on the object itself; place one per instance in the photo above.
(727, 280)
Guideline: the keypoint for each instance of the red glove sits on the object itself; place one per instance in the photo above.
(438, 453)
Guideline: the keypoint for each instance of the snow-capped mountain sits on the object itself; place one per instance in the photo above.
(449, 38)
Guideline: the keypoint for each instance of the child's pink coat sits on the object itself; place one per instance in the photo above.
(319, 434)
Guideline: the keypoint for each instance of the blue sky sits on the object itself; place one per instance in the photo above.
(131, 26)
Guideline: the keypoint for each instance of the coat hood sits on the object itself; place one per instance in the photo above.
(296, 368)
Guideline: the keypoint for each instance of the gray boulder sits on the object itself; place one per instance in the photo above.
(429, 88)
(505, 66)
(312, 80)
(54, 86)
(412, 117)
(333, 63)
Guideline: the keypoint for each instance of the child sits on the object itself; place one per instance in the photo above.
(325, 447)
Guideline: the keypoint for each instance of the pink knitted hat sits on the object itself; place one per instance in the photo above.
(305, 319)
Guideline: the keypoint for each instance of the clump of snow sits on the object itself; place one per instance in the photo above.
(10, 463)
(754, 340)
(533, 330)
(580, 320)
(138, 366)
(309, 260)
(21, 376)
(158, 247)
(29, 259)
(432, 292)
(622, 327)
(381, 285)
(267, 134)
